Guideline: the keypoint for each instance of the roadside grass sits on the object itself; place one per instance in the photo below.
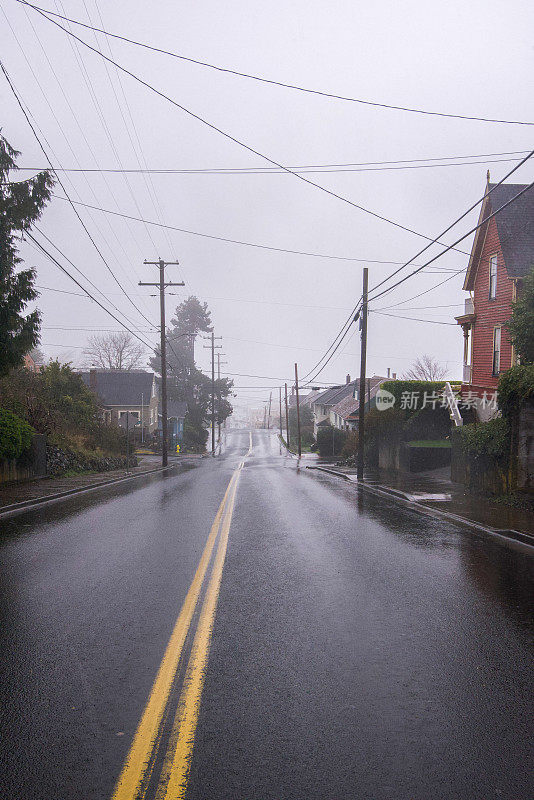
(305, 448)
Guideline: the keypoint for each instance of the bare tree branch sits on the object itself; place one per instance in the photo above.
(114, 351)
(425, 368)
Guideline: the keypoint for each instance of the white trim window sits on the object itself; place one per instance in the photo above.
(496, 350)
(493, 277)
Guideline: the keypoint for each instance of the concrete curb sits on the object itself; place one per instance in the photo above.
(13, 509)
(518, 539)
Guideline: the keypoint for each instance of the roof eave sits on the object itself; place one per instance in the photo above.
(477, 246)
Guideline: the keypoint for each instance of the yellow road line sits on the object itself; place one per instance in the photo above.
(173, 781)
(138, 759)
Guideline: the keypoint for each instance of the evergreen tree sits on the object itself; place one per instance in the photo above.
(21, 205)
(521, 323)
(184, 381)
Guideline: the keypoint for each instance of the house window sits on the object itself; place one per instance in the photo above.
(496, 350)
(493, 277)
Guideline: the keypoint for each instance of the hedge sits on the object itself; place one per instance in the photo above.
(15, 435)
(515, 386)
(487, 440)
(398, 388)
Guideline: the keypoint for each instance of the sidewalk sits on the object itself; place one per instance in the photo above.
(435, 490)
(15, 497)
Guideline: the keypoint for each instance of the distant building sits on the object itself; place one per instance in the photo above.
(339, 405)
(121, 391)
(501, 256)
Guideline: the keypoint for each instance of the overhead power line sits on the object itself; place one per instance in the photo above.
(364, 166)
(84, 276)
(461, 239)
(77, 282)
(229, 136)
(346, 327)
(427, 291)
(414, 319)
(273, 82)
(21, 106)
(456, 221)
(227, 239)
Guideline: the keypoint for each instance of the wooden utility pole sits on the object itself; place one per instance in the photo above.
(219, 362)
(363, 358)
(213, 347)
(298, 410)
(269, 418)
(162, 285)
(287, 420)
(127, 442)
(280, 393)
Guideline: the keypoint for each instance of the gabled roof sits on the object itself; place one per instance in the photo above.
(515, 227)
(304, 399)
(325, 398)
(346, 407)
(338, 393)
(118, 387)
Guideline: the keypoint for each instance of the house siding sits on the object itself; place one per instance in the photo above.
(490, 313)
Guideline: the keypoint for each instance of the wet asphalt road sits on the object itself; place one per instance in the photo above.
(359, 649)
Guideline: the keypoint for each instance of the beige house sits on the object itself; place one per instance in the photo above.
(121, 391)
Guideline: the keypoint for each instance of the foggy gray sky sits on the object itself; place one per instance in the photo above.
(473, 58)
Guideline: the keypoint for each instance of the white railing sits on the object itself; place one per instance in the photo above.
(469, 307)
(452, 403)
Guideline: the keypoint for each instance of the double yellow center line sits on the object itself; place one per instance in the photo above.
(137, 771)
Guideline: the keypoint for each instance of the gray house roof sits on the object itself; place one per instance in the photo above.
(515, 226)
(327, 398)
(120, 388)
(332, 397)
(348, 406)
(304, 399)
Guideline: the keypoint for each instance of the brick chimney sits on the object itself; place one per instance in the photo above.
(92, 379)
(347, 379)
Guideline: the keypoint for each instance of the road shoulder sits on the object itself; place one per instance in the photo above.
(520, 539)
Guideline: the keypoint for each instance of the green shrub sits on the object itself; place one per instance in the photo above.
(195, 435)
(350, 448)
(515, 386)
(15, 435)
(398, 388)
(487, 440)
(330, 441)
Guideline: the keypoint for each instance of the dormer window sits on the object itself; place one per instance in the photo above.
(492, 277)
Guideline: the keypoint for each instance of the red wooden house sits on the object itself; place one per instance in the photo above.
(501, 256)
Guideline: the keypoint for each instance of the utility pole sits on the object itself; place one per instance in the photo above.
(219, 362)
(142, 419)
(280, 393)
(298, 410)
(269, 418)
(127, 442)
(361, 413)
(213, 347)
(287, 420)
(162, 285)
